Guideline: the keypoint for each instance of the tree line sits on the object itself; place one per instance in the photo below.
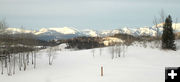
(83, 42)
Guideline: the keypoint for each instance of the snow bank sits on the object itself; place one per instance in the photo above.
(139, 65)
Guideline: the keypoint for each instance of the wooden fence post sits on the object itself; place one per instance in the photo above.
(101, 71)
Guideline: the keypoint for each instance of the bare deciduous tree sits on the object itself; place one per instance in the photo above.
(112, 51)
(100, 51)
(51, 54)
(93, 52)
(3, 25)
(2, 63)
(175, 23)
(162, 16)
(155, 22)
(119, 50)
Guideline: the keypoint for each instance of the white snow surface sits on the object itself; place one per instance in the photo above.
(139, 65)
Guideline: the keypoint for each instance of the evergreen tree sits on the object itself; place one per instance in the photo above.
(168, 36)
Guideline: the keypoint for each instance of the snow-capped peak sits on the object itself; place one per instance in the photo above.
(17, 30)
(64, 30)
(42, 30)
(90, 32)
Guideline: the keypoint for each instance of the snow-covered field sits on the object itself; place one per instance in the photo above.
(139, 65)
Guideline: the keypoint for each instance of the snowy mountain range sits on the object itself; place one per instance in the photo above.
(70, 32)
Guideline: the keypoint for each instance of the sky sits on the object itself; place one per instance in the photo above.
(85, 14)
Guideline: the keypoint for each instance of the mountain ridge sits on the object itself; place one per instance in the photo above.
(70, 32)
